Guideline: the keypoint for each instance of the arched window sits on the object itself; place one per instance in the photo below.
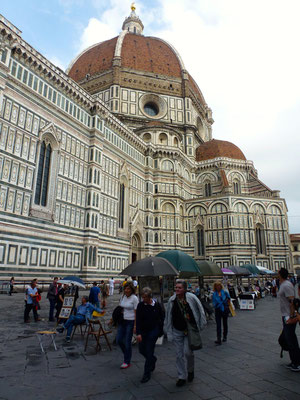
(95, 176)
(96, 222)
(200, 242)
(167, 165)
(97, 201)
(94, 199)
(156, 238)
(155, 204)
(42, 180)
(236, 188)
(92, 223)
(156, 221)
(121, 206)
(94, 256)
(85, 256)
(207, 187)
(87, 224)
(260, 240)
(90, 175)
(90, 255)
(89, 199)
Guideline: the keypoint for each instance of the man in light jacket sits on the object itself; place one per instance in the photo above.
(183, 309)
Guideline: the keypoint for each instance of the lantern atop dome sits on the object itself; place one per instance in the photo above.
(133, 23)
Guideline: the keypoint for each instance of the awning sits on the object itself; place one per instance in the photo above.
(239, 271)
(227, 271)
(251, 268)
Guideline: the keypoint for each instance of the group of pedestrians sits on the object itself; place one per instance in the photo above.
(182, 323)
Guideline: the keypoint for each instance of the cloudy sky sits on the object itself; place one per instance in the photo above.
(244, 55)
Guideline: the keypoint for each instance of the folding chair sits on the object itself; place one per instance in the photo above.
(96, 329)
(83, 328)
(41, 334)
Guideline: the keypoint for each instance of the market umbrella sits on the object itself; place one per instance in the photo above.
(150, 266)
(185, 264)
(209, 268)
(72, 280)
(239, 271)
(251, 268)
(265, 271)
(262, 270)
(227, 271)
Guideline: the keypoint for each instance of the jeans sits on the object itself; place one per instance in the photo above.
(146, 348)
(28, 308)
(124, 337)
(96, 303)
(292, 341)
(184, 354)
(52, 307)
(73, 320)
(219, 317)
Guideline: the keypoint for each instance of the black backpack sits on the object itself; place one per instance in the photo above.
(283, 344)
(118, 315)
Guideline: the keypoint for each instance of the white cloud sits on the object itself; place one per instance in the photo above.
(244, 56)
(56, 61)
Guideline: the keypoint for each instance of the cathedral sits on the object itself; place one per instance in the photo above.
(114, 160)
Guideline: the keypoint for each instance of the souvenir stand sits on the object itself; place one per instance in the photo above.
(156, 273)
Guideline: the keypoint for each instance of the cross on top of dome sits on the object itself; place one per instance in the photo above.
(133, 23)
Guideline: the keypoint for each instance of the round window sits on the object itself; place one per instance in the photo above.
(151, 109)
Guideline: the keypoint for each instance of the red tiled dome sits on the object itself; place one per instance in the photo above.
(218, 148)
(138, 53)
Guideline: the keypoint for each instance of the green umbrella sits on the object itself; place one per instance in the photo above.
(209, 268)
(184, 263)
(251, 268)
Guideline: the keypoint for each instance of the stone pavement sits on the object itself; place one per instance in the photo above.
(248, 366)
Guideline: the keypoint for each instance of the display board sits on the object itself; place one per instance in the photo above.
(247, 304)
(67, 308)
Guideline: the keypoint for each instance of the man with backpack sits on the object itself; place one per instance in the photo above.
(286, 297)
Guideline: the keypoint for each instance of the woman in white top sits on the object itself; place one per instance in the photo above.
(126, 328)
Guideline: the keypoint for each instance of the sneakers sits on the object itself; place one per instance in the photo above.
(218, 342)
(68, 339)
(295, 368)
(289, 366)
(124, 366)
(224, 339)
(60, 330)
(180, 382)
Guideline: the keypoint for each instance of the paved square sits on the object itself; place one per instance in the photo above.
(248, 366)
